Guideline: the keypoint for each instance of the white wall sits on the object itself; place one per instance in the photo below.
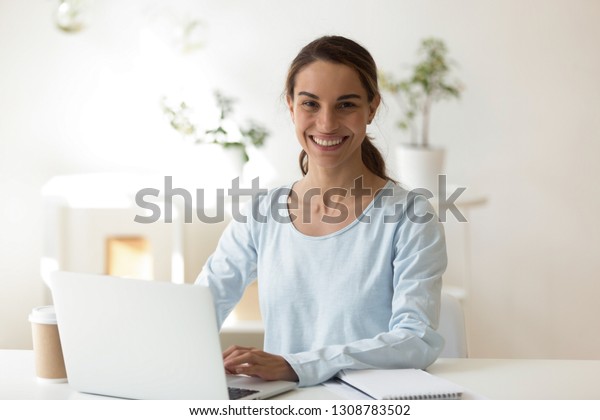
(524, 133)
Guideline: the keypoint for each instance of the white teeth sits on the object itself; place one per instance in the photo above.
(327, 143)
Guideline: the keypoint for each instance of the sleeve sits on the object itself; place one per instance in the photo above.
(231, 268)
(411, 342)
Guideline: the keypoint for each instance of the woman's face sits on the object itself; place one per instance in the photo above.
(330, 110)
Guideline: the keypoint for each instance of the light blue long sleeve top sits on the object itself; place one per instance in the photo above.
(366, 296)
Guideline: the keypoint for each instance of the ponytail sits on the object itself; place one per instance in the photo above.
(303, 161)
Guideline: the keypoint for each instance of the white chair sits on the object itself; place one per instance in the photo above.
(452, 327)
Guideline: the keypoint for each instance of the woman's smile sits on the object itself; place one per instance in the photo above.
(328, 142)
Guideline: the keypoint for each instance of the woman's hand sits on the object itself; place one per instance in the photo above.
(254, 362)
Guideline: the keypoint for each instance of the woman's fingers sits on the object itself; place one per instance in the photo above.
(230, 352)
(240, 356)
(232, 349)
(253, 362)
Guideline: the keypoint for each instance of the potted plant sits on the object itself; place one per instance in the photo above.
(418, 163)
(226, 133)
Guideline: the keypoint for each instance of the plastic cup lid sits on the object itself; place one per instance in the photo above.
(43, 315)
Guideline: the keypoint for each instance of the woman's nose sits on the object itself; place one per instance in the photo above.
(327, 120)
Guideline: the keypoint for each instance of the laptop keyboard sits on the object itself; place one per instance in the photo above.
(237, 393)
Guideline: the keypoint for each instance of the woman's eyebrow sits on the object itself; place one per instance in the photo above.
(349, 96)
(310, 95)
(341, 98)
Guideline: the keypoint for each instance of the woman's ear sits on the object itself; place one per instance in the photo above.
(373, 107)
(290, 104)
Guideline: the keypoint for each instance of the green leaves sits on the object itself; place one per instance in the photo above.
(179, 118)
(255, 134)
(250, 134)
(428, 83)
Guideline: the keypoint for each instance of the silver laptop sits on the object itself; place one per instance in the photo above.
(143, 339)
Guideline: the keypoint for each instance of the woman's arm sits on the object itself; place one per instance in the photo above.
(405, 346)
(230, 269)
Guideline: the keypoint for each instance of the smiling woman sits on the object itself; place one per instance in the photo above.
(331, 112)
(345, 279)
(357, 66)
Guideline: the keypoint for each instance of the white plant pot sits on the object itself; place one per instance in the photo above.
(208, 164)
(419, 167)
(233, 162)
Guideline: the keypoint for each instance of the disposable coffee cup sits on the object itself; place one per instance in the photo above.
(49, 362)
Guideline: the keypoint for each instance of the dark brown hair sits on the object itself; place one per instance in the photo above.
(337, 49)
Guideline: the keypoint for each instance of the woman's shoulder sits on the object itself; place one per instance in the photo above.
(401, 200)
(393, 193)
(267, 196)
(266, 202)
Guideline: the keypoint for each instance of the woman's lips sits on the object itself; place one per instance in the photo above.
(328, 141)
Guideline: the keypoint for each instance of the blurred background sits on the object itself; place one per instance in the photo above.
(524, 138)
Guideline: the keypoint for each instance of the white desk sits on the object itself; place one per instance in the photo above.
(18, 382)
(493, 378)
(524, 379)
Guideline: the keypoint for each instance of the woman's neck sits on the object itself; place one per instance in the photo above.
(322, 180)
(327, 178)
(339, 196)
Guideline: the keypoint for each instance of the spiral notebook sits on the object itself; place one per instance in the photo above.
(400, 384)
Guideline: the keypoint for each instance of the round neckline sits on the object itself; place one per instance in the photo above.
(388, 184)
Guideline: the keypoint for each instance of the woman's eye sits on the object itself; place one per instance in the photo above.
(347, 105)
(310, 104)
